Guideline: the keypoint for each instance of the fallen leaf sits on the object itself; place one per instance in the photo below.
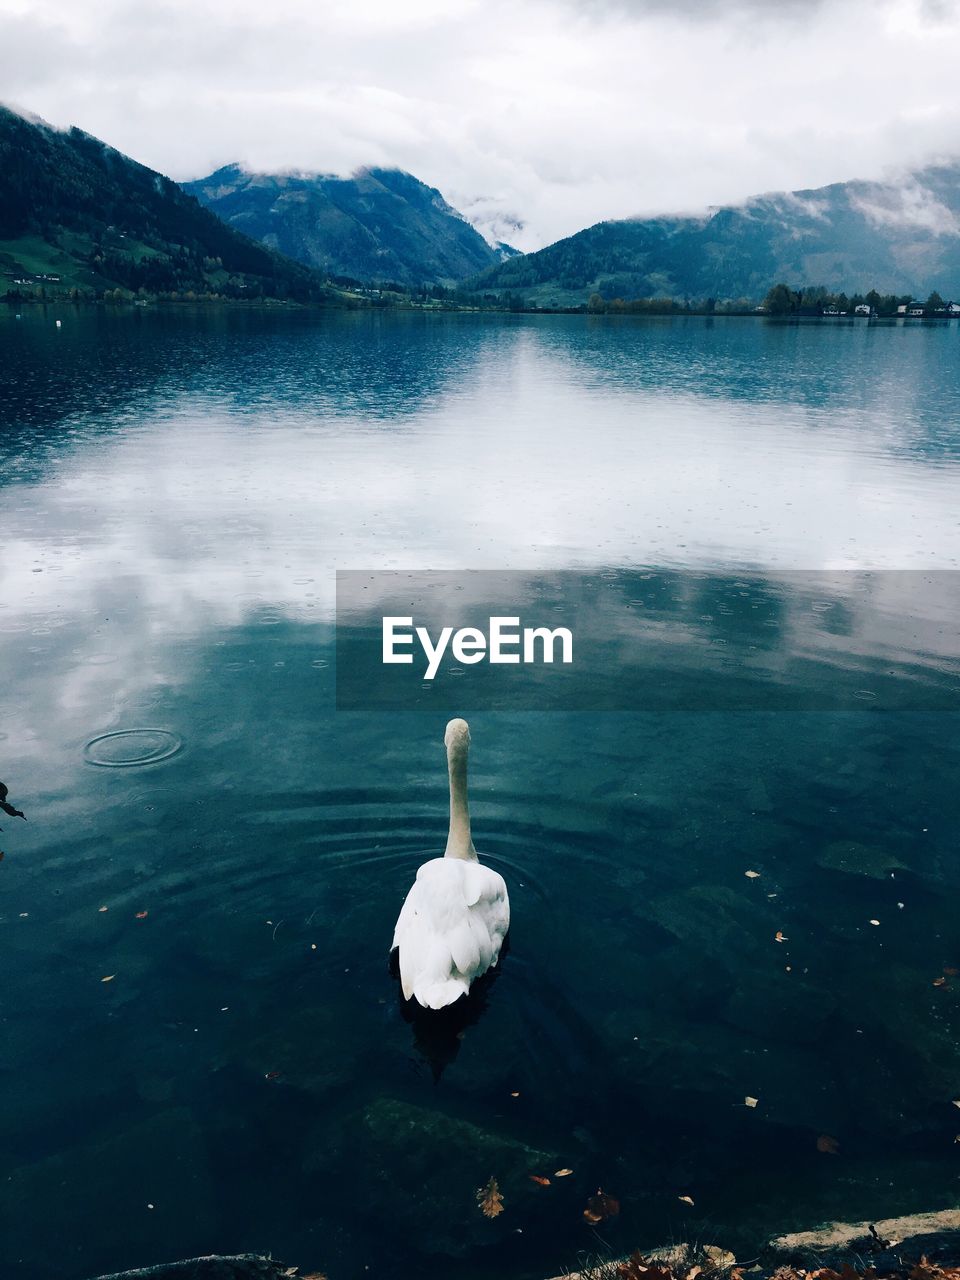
(490, 1200)
(686, 1199)
(927, 1270)
(637, 1267)
(102, 909)
(601, 1207)
(752, 875)
(515, 1095)
(875, 922)
(718, 1258)
(562, 1173)
(829, 1146)
(142, 915)
(109, 978)
(939, 982)
(780, 937)
(539, 1180)
(750, 1102)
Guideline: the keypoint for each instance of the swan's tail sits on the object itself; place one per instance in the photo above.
(437, 995)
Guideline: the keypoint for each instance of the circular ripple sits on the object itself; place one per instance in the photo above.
(126, 748)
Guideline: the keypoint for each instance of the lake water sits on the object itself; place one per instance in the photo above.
(177, 492)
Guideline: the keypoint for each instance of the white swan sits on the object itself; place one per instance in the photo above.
(455, 917)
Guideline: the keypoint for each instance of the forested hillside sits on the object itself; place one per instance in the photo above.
(77, 215)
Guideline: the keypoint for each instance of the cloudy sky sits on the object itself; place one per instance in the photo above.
(551, 113)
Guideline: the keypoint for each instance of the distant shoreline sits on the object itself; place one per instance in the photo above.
(286, 306)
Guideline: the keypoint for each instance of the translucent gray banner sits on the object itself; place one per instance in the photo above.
(648, 640)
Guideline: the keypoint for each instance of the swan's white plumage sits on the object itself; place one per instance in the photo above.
(455, 917)
(450, 929)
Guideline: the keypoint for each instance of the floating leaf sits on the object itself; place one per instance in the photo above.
(490, 1200)
(109, 978)
(539, 1180)
(515, 1095)
(829, 1146)
(142, 915)
(939, 982)
(750, 1102)
(875, 922)
(562, 1173)
(102, 909)
(686, 1199)
(752, 875)
(600, 1208)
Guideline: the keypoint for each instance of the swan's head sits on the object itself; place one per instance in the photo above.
(457, 738)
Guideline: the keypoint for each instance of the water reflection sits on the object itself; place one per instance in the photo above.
(871, 379)
(438, 1034)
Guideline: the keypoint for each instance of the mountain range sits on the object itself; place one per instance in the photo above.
(76, 214)
(897, 237)
(378, 225)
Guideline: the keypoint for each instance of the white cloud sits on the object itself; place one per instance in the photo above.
(551, 113)
(908, 206)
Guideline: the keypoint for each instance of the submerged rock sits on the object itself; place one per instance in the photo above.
(780, 1005)
(855, 859)
(714, 919)
(244, 1266)
(146, 1183)
(420, 1171)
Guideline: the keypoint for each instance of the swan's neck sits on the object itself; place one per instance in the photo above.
(459, 843)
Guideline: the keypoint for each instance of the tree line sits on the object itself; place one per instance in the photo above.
(814, 300)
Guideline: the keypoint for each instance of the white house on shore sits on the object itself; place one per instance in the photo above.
(918, 308)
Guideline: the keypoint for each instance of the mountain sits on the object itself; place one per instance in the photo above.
(76, 214)
(896, 237)
(379, 225)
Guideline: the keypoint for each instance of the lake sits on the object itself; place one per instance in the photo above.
(203, 1049)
